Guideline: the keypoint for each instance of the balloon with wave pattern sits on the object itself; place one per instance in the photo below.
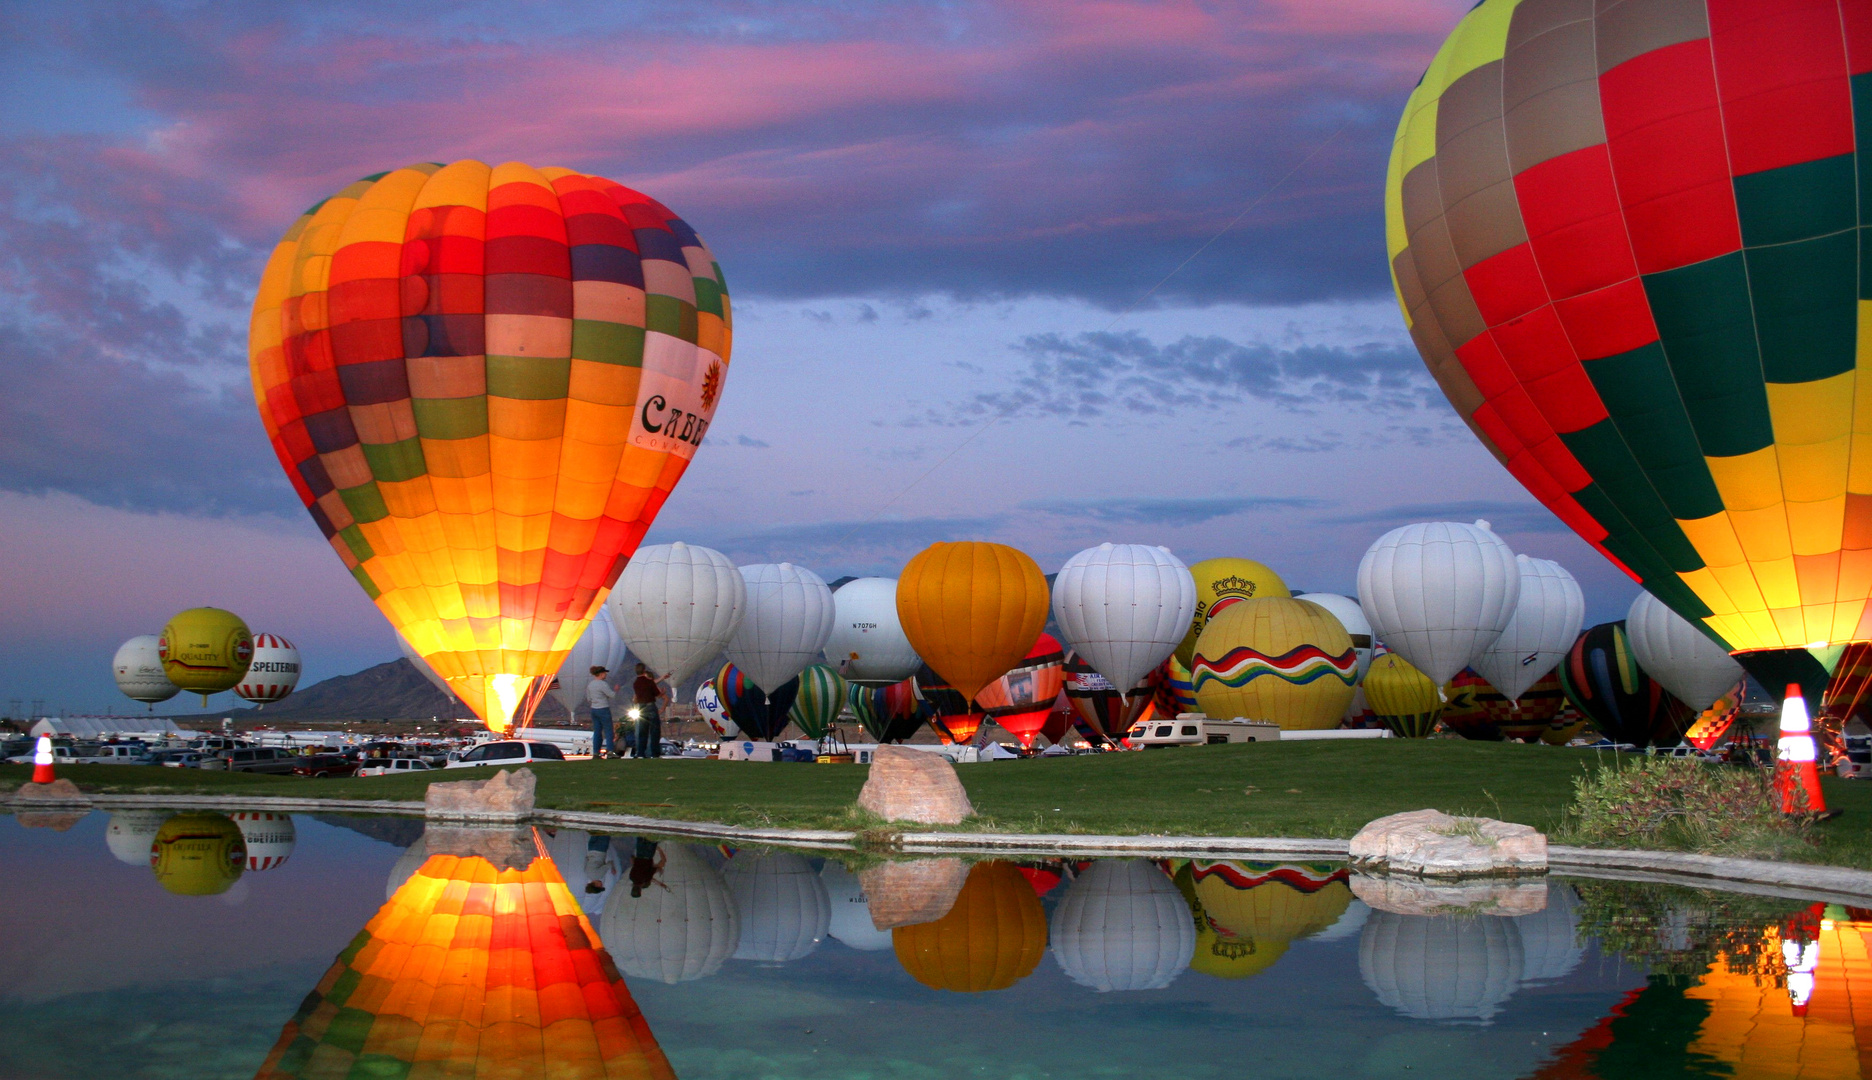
(1277, 659)
(759, 715)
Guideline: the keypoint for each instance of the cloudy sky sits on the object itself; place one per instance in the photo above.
(985, 283)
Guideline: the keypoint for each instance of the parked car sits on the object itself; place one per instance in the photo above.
(118, 754)
(319, 766)
(260, 759)
(507, 752)
(177, 759)
(62, 754)
(392, 766)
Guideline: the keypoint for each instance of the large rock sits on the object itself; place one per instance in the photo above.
(505, 796)
(1473, 896)
(1431, 843)
(61, 792)
(914, 785)
(913, 892)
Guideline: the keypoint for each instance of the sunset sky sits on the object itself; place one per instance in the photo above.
(968, 246)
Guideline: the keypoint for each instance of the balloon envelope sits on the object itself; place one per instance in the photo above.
(273, 672)
(1441, 968)
(1352, 617)
(971, 610)
(1122, 926)
(205, 650)
(138, 669)
(782, 906)
(850, 921)
(1693, 668)
(1439, 593)
(1285, 661)
(1219, 583)
(683, 927)
(1472, 708)
(676, 606)
(1547, 618)
(268, 838)
(820, 699)
(1403, 698)
(868, 643)
(1020, 700)
(955, 717)
(758, 714)
(709, 703)
(599, 646)
(788, 619)
(888, 713)
(1124, 607)
(991, 938)
(1248, 913)
(1602, 679)
(1097, 703)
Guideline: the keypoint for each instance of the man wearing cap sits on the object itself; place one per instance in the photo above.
(598, 695)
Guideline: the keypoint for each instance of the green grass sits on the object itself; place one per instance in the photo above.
(1315, 788)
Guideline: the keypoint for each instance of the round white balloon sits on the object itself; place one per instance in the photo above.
(599, 645)
(1124, 608)
(682, 927)
(269, 838)
(1441, 968)
(1678, 655)
(139, 672)
(1550, 945)
(868, 645)
(1352, 617)
(676, 606)
(788, 621)
(709, 703)
(851, 910)
(274, 671)
(1122, 925)
(131, 832)
(1439, 592)
(1546, 622)
(782, 905)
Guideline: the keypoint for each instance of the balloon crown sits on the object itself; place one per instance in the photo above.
(1234, 585)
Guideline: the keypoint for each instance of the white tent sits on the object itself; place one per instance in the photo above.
(99, 727)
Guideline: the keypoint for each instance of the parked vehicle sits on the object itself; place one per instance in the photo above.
(393, 766)
(118, 754)
(260, 759)
(177, 759)
(507, 752)
(319, 766)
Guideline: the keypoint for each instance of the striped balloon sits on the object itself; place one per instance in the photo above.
(888, 713)
(1286, 661)
(273, 673)
(1603, 680)
(483, 383)
(821, 697)
(760, 715)
(1401, 697)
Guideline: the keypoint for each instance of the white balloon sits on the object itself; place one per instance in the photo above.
(680, 928)
(131, 832)
(1124, 608)
(268, 838)
(139, 672)
(1352, 617)
(1691, 666)
(789, 619)
(1441, 968)
(1439, 593)
(274, 671)
(422, 666)
(598, 645)
(1550, 945)
(1546, 622)
(709, 703)
(868, 645)
(580, 866)
(851, 910)
(1122, 925)
(782, 905)
(676, 605)
(1349, 924)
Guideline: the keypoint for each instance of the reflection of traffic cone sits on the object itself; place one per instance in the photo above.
(1797, 779)
(42, 761)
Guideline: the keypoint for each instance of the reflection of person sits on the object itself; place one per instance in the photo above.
(646, 862)
(649, 693)
(596, 864)
(598, 695)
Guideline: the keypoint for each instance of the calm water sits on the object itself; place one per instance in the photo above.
(197, 946)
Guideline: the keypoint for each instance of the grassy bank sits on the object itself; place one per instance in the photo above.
(1275, 789)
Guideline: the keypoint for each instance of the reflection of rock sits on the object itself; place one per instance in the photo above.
(991, 938)
(509, 848)
(851, 910)
(61, 791)
(915, 891)
(781, 904)
(269, 838)
(1122, 926)
(56, 820)
(1247, 914)
(914, 785)
(1550, 938)
(130, 833)
(505, 796)
(406, 864)
(197, 854)
(1434, 844)
(1472, 896)
(682, 926)
(1449, 968)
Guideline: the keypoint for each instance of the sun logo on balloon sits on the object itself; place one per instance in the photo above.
(711, 384)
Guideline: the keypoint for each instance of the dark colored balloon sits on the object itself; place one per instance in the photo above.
(1097, 704)
(889, 713)
(951, 713)
(1468, 707)
(760, 715)
(1602, 679)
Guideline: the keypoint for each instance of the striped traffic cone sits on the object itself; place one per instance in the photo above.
(42, 761)
(1797, 778)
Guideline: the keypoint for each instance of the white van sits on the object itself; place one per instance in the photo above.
(1195, 729)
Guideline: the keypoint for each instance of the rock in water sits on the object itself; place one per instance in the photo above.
(505, 796)
(1474, 896)
(914, 892)
(1431, 843)
(914, 785)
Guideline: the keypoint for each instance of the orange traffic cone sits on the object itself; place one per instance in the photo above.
(42, 761)
(1797, 778)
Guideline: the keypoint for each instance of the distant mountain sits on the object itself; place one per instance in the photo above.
(392, 691)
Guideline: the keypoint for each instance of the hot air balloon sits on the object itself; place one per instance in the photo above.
(758, 714)
(782, 905)
(1175, 694)
(1122, 926)
(1020, 700)
(1219, 583)
(971, 610)
(268, 838)
(1439, 593)
(1603, 680)
(676, 606)
(683, 927)
(138, 668)
(714, 712)
(131, 832)
(598, 646)
(273, 672)
(1679, 656)
(1708, 727)
(850, 922)
(198, 854)
(1403, 698)
(1124, 608)
(1626, 246)
(483, 383)
(1098, 705)
(422, 668)
(1441, 968)
(1248, 914)
(1550, 947)
(991, 938)
(1352, 617)
(1281, 660)
(820, 699)
(788, 619)
(205, 650)
(956, 718)
(1546, 621)
(888, 713)
(1527, 717)
(868, 645)
(1472, 708)
(1568, 724)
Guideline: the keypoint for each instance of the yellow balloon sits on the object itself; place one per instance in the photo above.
(1286, 661)
(972, 610)
(1221, 582)
(991, 939)
(198, 854)
(1247, 914)
(205, 649)
(1401, 696)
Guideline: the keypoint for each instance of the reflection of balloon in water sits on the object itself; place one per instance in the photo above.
(759, 715)
(130, 833)
(850, 921)
(138, 669)
(581, 865)
(1603, 680)
(273, 673)
(205, 650)
(1122, 926)
(1403, 698)
(680, 928)
(483, 385)
(1352, 617)
(1219, 583)
(1439, 592)
(1124, 608)
(268, 838)
(1097, 704)
(971, 610)
(709, 703)
(1679, 656)
(1546, 620)
(1020, 700)
(598, 646)
(820, 699)
(197, 854)
(952, 714)
(1249, 913)
(781, 903)
(1275, 659)
(888, 713)
(676, 605)
(1443, 968)
(1550, 947)
(868, 645)
(991, 938)
(413, 856)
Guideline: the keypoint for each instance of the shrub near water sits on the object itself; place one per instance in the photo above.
(1674, 804)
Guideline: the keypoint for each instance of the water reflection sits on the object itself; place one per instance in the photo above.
(678, 926)
(990, 939)
(1247, 914)
(851, 923)
(1121, 925)
(782, 903)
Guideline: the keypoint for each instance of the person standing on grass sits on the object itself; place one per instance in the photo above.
(598, 694)
(649, 693)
